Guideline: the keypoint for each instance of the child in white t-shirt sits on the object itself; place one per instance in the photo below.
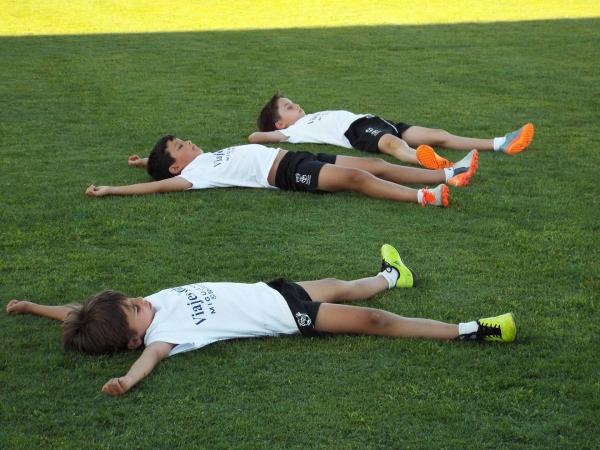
(189, 317)
(178, 165)
(282, 120)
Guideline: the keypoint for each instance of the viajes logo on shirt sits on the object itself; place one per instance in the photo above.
(222, 156)
(315, 117)
(200, 300)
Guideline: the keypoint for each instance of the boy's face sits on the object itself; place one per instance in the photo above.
(139, 313)
(289, 113)
(183, 152)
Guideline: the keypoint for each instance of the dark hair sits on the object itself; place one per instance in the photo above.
(269, 114)
(159, 160)
(98, 326)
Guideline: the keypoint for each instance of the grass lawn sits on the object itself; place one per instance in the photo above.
(523, 237)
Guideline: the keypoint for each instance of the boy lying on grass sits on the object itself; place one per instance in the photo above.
(178, 165)
(189, 317)
(282, 120)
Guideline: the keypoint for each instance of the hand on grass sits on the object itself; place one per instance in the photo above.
(117, 386)
(136, 161)
(17, 307)
(97, 191)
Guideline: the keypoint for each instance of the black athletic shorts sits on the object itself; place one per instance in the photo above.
(299, 171)
(302, 306)
(364, 133)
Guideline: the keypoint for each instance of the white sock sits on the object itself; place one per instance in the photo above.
(467, 328)
(449, 172)
(391, 276)
(420, 196)
(498, 141)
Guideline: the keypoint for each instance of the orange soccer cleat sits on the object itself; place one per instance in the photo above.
(517, 141)
(439, 196)
(429, 159)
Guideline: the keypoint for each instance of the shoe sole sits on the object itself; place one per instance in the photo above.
(445, 195)
(429, 159)
(473, 167)
(474, 163)
(414, 277)
(522, 141)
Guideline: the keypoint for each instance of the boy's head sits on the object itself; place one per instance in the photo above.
(170, 156)
(279, 113)
(106, 323)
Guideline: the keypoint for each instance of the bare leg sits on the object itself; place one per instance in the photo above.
(334, 178)
(346, 319)
(398, 148)
(392, 172)
(50, 312)
(415, 136)
(331, 290)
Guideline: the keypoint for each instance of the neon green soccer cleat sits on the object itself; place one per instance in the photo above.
(391, 260)
(497, 329)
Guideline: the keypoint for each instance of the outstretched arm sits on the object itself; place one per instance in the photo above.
(264, 137)
(51, 312)
(169, 185)
(151, 356)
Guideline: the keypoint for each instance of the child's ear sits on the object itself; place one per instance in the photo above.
(134, 343)
(174, 169)
(280, 124)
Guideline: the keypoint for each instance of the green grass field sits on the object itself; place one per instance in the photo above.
(524, 237)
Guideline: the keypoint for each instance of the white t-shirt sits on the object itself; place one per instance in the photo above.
(325, 127)
(242, 166)
(196, 315)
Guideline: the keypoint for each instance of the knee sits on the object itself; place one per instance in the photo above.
(356, 178)
(390, 142)
(337, 284)
(376, 319)
(377, 166)
(339, 289)
(375, 162)
(439, 137)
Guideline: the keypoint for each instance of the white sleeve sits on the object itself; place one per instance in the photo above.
(197, 183)
(294, 133)
(180, 344)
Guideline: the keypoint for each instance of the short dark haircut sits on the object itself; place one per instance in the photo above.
(269, 114)
(99, 326)
(159, 160)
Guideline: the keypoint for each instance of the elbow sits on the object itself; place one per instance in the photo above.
(253, 138)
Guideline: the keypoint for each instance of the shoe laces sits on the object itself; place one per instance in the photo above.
(486, 330)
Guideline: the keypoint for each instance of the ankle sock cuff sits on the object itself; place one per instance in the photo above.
(391, 276)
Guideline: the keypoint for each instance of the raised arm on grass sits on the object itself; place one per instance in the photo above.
(168, 185)
(50, 312)
(137, 161)
(265, 137)
(141, 368)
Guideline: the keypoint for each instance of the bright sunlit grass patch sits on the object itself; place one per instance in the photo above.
(32, 17)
